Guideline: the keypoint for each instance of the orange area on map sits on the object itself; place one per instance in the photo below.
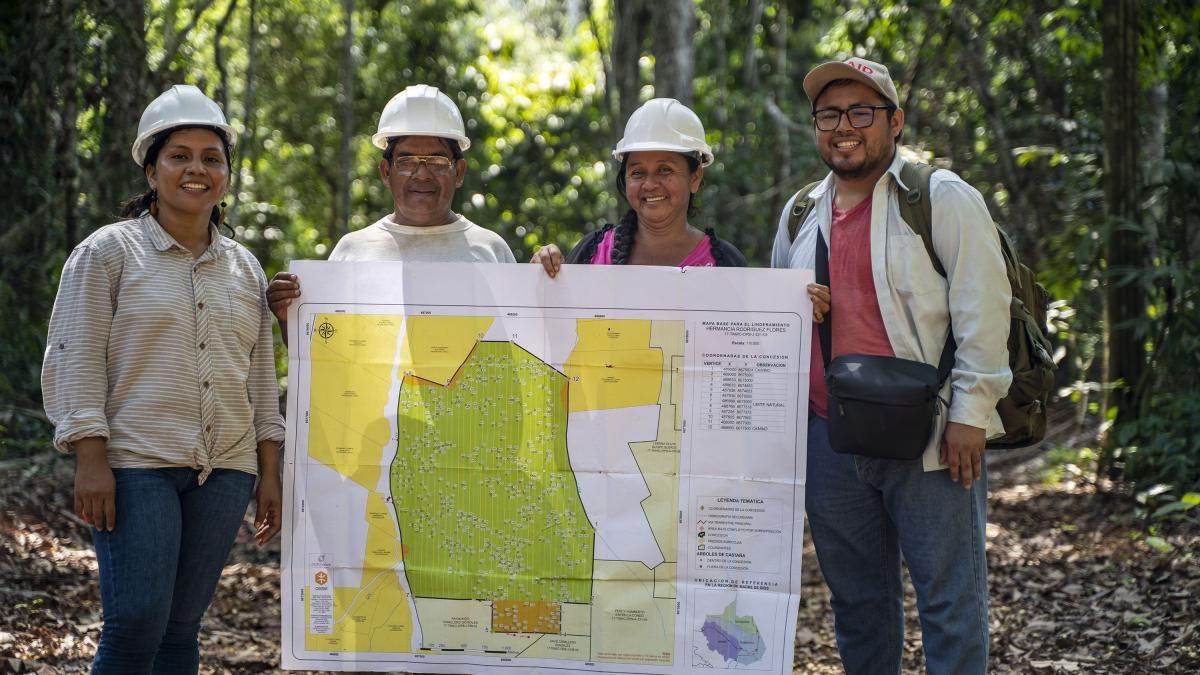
(526, 616)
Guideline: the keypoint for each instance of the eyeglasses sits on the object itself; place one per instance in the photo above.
(860, 116)
(409, 165)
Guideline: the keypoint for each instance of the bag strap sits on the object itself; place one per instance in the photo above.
(916, 207)
(825, 328)
(800, 209)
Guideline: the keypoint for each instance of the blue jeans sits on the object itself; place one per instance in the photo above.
(160, 565)
(864, 514)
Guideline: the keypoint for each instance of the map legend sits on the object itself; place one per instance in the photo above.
(739, 534)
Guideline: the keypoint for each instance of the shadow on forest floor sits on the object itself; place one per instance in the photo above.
(1073, 587)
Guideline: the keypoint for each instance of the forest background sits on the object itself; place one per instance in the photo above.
(1076, 119)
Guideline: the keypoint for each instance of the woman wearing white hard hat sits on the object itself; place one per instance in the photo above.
(662, 155)
(160, 378)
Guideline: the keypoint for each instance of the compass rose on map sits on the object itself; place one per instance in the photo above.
(326, 330)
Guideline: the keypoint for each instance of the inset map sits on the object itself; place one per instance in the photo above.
(729, 629)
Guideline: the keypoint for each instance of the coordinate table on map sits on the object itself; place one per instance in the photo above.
(743, 394)
(491, 471)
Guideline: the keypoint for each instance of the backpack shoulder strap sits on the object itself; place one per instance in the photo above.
(916, 208)
(800, 209)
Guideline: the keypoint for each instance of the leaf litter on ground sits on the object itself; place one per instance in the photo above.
(1084, 598)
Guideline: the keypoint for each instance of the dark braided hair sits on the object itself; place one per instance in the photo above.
(623, 238)
(136, 205)
(718, 251)
(588, 246)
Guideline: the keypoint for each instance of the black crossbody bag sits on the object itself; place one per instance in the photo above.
(879, 406)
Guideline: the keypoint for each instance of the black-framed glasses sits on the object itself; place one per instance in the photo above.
(409, 165)
(860, 116)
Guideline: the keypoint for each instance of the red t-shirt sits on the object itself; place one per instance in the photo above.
(857, 326)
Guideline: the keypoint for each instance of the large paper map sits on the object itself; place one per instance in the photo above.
(492, 471)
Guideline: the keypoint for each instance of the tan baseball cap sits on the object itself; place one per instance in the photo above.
(874, 75)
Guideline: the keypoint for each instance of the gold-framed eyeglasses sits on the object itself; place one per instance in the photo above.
(860, 116)
(409, 165)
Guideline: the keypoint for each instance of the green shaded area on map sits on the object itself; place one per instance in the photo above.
(483, 490)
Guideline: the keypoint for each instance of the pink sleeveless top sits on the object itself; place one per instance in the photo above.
(701, 256)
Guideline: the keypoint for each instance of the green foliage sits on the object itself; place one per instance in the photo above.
(756, 116)
(538, 172)
(1163, 446)
(1007, 93)
(1181, 507)
(1162, 511)
(1068, 463)
(23, 432)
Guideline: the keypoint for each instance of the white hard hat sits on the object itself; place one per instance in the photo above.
(421, 110)
(181, 105)
(664, 124)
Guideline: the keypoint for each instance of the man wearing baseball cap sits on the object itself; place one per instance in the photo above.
(886, 298)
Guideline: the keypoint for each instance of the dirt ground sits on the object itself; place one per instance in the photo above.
(1073, 586)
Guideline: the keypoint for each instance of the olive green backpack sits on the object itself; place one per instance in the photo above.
(1023, 409)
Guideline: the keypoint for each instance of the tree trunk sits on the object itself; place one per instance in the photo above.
(574, 15)
(125, 96)
(781, 155)
(219, 57)
(248, 110)
(38, 57)
(68, 154)
(1125, 244)
(720, 66)
(1154, 152)
(605, 61)
(674, 64)
(346, 103)
(630, 18)
(749, 79)
(750, 58)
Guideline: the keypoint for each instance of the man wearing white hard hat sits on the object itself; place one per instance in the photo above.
(884, 306)
(662, 158)
(159, 377)
(422, 136)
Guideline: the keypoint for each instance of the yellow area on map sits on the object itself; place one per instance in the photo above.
(664, 580)
(435, 346)
(613, 365)
(659, 459)
(629, 624)
(375, 615)
(351, 377)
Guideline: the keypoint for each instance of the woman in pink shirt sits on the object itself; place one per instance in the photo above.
(662, 155)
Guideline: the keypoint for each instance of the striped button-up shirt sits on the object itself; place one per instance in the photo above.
(167, 355)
